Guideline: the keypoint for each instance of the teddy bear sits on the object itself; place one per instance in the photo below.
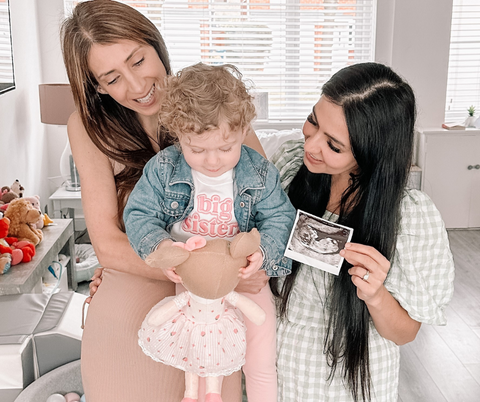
(12, 250)
(201, 331)
(22, 215)
(43, 220)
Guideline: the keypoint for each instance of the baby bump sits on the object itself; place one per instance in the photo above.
(124, 298)
(112, 361)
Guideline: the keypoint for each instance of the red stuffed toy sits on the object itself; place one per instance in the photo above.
(21, 251)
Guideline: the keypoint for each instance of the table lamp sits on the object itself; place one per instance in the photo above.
(56, 106)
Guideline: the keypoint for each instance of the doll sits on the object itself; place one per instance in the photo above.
(201, 331)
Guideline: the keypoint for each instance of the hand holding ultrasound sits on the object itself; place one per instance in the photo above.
(318, 242)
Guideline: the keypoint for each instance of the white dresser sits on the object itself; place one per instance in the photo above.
(450, 163)
(68, 204)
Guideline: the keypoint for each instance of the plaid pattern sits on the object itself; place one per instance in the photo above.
(420, 278)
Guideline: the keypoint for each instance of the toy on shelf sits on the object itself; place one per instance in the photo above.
(5, 249)
(12, 251)
(5, 262)
(6, 196)
(201, 331)
(17, 188)
(43, 220)
(22, 215)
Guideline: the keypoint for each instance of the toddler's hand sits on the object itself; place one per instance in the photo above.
(172, 275)
(168, 272)
(255, 261)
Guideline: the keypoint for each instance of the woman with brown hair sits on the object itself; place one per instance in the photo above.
(116, 62)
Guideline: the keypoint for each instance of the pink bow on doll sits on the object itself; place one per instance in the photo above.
(191, 244)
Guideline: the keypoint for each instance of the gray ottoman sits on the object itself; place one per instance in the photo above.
(64, 379)
(38, 333)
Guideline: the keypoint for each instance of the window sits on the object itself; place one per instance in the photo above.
(7, 81)
(463, 87)
(287, 48)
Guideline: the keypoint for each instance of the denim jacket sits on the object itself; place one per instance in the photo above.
(162, 197)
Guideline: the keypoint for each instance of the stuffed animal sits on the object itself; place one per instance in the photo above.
(35, 201)
(22, 215)
(4, 226)
(6, 196)
(201, 330)
(5, 262)
(46, 220)
(22, 251)
(5, 250)
(17, 188)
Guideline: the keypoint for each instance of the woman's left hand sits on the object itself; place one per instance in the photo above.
(369, 271)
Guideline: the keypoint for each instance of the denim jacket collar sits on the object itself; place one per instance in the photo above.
(245, 173)
(182, 173)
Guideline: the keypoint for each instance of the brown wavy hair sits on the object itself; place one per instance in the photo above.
(201, 97)
(114, 129)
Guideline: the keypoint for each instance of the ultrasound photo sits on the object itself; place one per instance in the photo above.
(317, 242)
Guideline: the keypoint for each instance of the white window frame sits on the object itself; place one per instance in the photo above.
(463, 87)
(293, 46)
(7, 76)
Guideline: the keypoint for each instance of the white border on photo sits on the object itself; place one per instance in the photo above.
(333, 269)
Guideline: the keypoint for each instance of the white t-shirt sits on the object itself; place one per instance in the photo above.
(213, 213)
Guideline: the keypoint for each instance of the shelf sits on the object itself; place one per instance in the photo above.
(58, 238)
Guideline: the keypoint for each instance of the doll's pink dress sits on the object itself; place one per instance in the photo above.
(205, 339)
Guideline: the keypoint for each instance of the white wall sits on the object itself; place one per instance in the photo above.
(49, 16)
(412, 37)
(26, 151)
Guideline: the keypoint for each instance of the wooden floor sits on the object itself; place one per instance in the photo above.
(443, 363)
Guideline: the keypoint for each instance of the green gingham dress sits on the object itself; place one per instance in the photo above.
(420, 278)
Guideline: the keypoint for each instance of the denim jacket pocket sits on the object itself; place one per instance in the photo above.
(174, 205)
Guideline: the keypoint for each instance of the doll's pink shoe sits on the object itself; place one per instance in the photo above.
(212, 397)
(189, 400)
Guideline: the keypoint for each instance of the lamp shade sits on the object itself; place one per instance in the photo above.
(56, 103)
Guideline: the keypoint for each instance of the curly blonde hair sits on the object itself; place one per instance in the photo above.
(201, 97)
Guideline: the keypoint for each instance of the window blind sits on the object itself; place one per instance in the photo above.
(463, 86)
(286, 48)
(6, 63)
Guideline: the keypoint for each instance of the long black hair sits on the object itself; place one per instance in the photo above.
(380, 112)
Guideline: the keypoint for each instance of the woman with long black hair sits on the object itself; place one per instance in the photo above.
(338, 336)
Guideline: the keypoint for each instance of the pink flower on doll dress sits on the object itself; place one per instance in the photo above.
(206, 337)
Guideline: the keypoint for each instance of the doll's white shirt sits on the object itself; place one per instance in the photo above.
(205, 339)
(201, 300)
(213, 215)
